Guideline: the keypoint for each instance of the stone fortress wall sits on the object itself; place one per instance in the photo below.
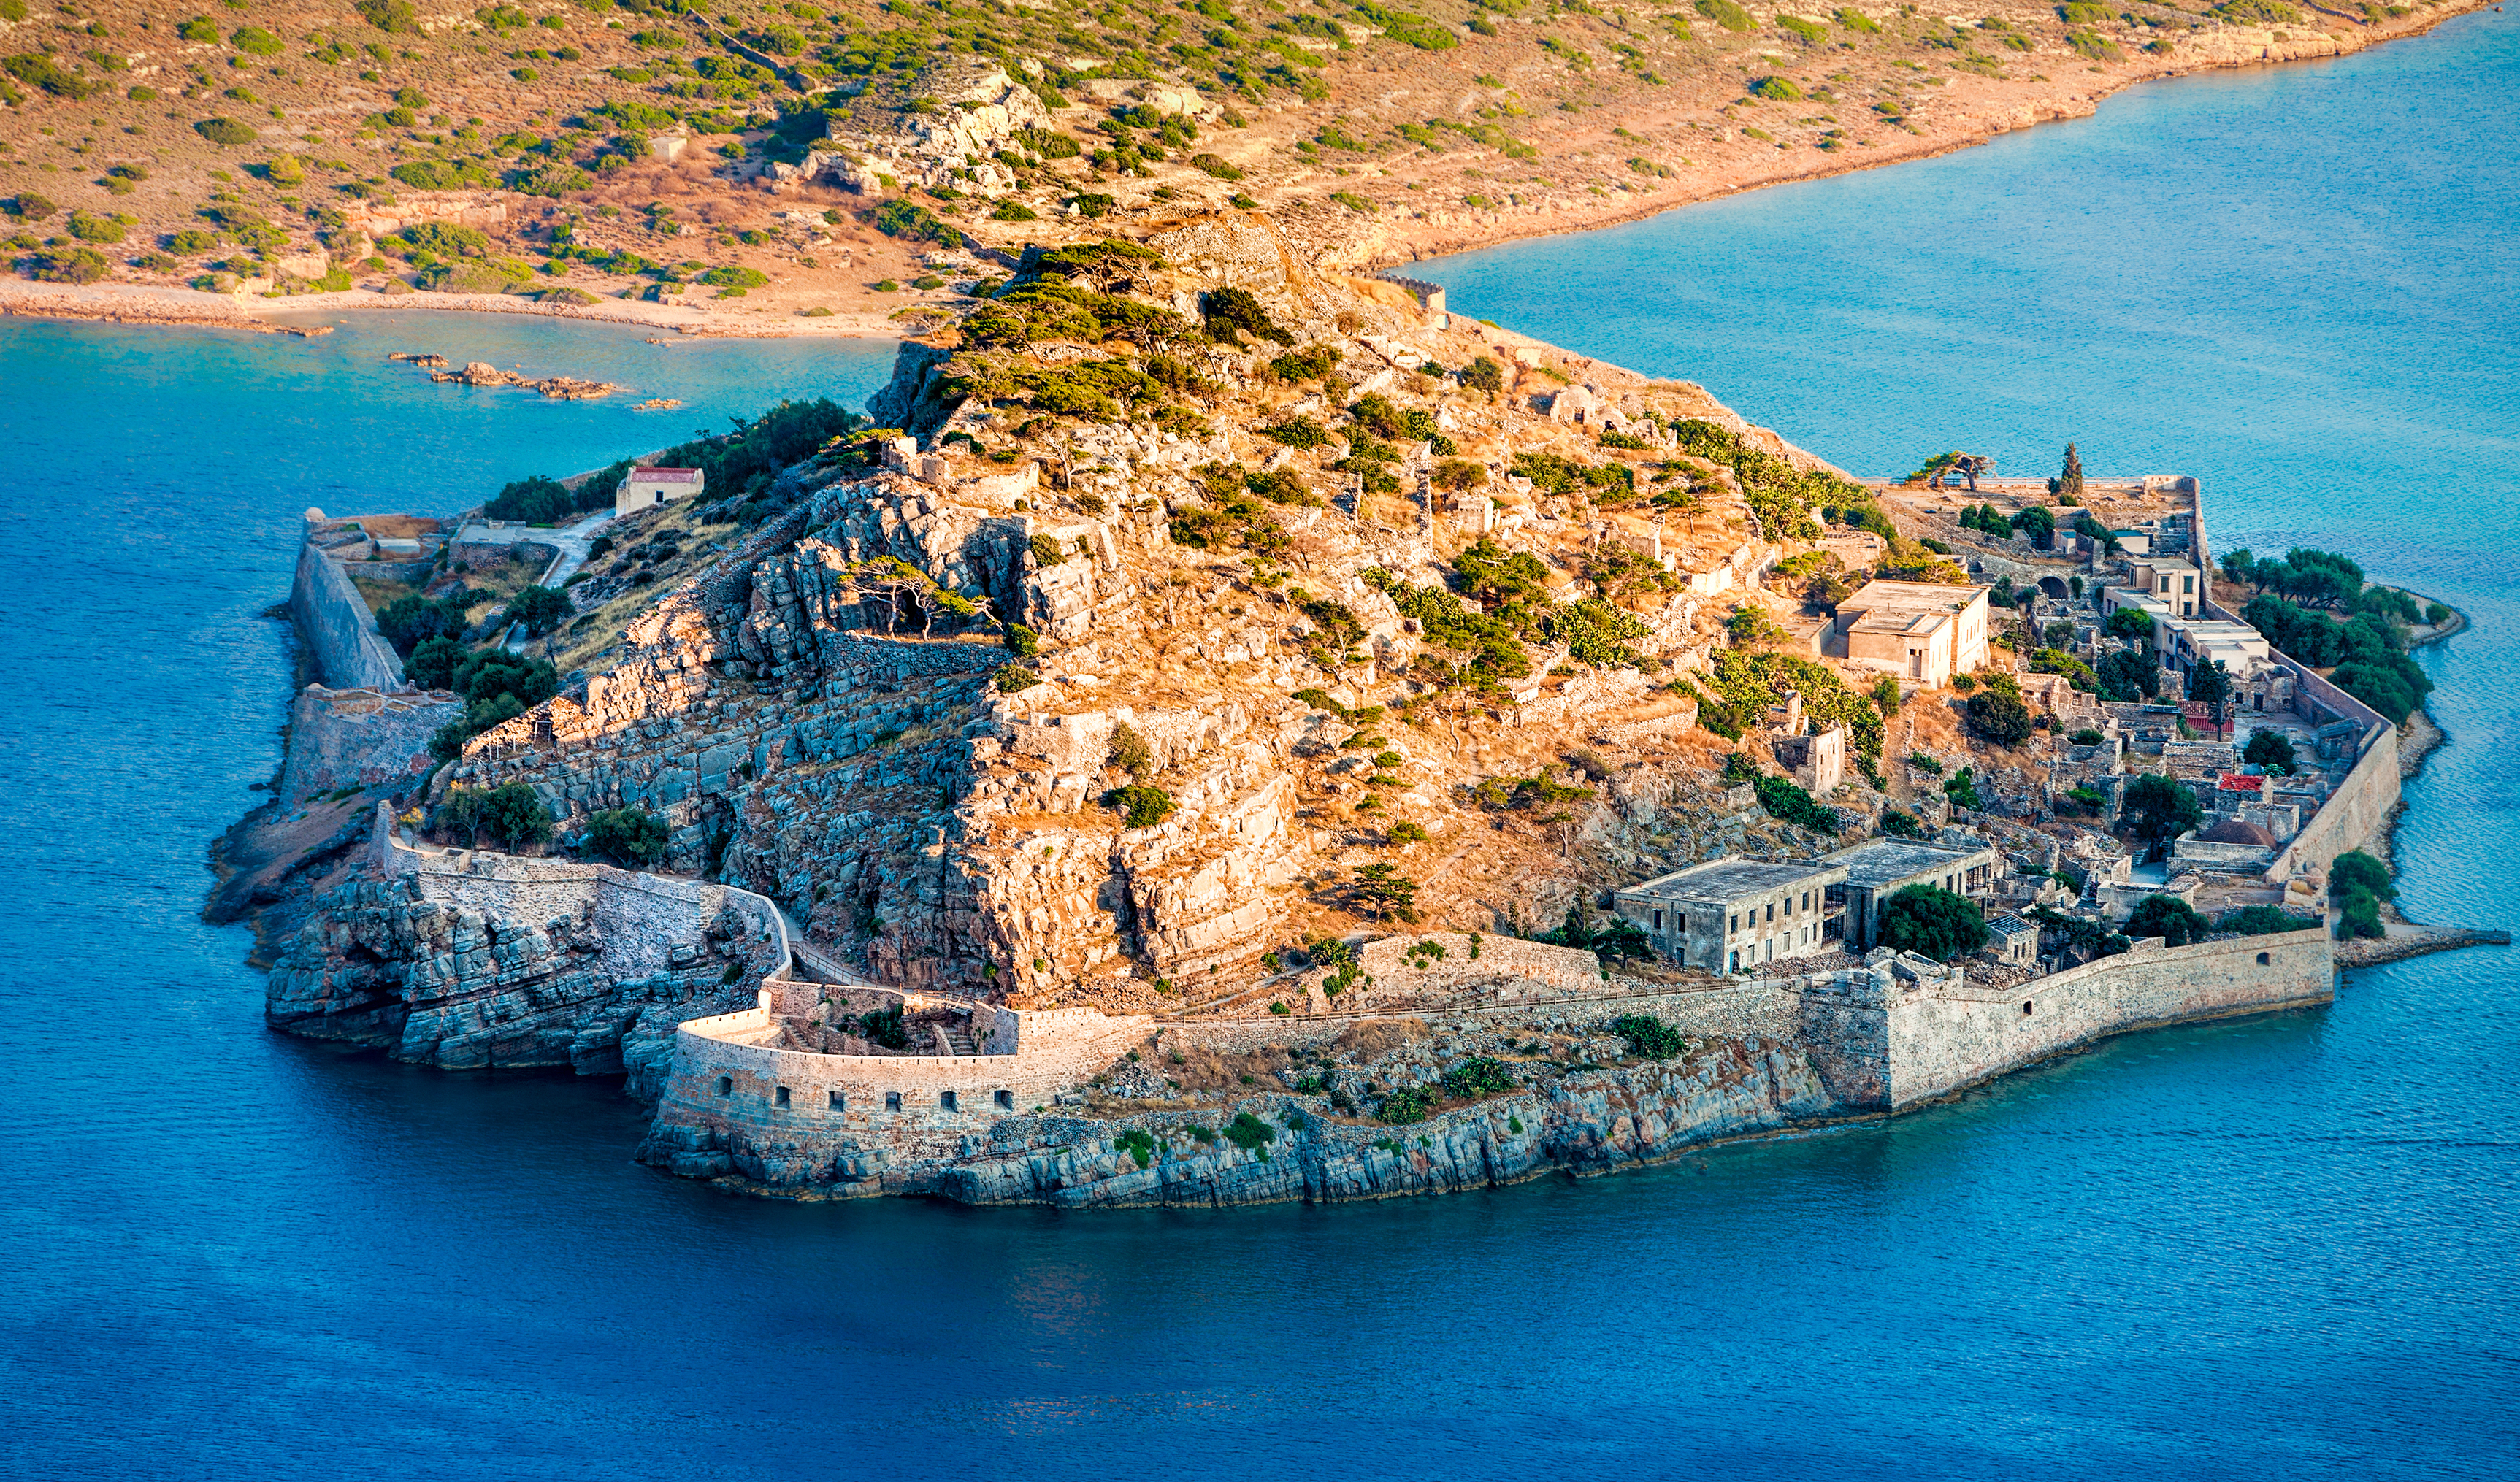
(335, 625)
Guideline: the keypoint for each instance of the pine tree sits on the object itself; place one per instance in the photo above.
(2069, 486)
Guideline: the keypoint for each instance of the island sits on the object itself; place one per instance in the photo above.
(1223, 730)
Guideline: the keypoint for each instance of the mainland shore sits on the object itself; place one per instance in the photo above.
(1390, 239)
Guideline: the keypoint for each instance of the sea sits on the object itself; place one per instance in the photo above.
(2284, 1248)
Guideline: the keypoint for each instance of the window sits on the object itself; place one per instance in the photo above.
(2264, 959)
(779, 1099)
(1772, 910)
(726, 1085)
(1680, 921)
(840, 1103)
(892, 1101)
(1006, 1100)
(945, 1098)
(1657, 921)
(1737, 920)
(2025, 1006)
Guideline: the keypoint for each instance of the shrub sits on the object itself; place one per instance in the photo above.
(633, 836)
(1248, 1132)
(1217, 166)
(1781, 89)
(2262, 921)
(2086, 737)
(1403, 1109)
(1899, 824)
(1479, 1075)
(1130, 752)
(538, 500)
(38, 71)
(226, 131)
(256, 41)
(71, 265)
(731, 276)
(27, 205)
(913, 222)
(1141, 806)
(87, 226)
(2168, 917)
(1726, 14)
(1407, 832)
(1650, 1037)
(1011, 209)
(1932, 922)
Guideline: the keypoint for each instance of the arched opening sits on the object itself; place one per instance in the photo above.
(726, 1085)
(2053, 585)
(2266, 958)
(2026, 1005)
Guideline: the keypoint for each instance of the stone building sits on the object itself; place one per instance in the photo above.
(1735, 915)
(646, 489)
(1880, 868)
(1915, 630)
(1817, 761)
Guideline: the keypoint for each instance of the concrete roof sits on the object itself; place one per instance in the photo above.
(1729, 879)
(1879, 861)
(2010, 925)
(1907, 606)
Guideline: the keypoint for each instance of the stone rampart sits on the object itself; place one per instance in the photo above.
(336, 627)
(359, 738)
(1939, 1040)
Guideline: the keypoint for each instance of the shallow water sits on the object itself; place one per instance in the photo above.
(2280, 1247)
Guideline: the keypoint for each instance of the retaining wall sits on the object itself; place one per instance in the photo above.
(336, 627)
(359, 738)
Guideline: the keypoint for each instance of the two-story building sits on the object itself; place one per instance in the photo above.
(1915, 630)
(1738, 915)
(1873, 872)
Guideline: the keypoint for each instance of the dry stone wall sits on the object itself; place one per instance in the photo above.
(359, 738)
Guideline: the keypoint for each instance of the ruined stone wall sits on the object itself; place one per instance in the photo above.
(337, 628)
(359, 738)
(1938, 1043)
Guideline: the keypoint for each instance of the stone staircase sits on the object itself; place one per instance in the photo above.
(957, 1038)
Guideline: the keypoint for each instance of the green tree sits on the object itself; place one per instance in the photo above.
(540, 608)
(2210, 683)
(1141, 807)
(1998, 713)
(2157, 808)
(2168, 917)
(632, 836)
(1380, 888)
(2134, 624)
(513, 815)
(2271, 750)
(2038, 524)
(2069, 483)
(1130, 752)
(1932, 922)
(1885, 696)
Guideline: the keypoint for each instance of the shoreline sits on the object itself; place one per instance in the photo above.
(1381, 247)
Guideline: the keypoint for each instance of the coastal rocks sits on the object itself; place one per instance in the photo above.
(558, 387)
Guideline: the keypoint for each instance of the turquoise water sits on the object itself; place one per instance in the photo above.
(2278, 1248)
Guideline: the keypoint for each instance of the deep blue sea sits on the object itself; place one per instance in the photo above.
(2282, 1248)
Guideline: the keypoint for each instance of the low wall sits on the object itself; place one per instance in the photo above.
(1938, 1042)
(336, 627)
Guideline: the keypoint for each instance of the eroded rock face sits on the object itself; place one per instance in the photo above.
(440, 959)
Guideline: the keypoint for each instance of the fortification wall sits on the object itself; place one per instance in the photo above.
(1938, 1043)
(359, 738)
(336, 627)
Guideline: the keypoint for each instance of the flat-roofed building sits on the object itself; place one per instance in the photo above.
(1880, 868)
(1915, 630)
(1737, 915)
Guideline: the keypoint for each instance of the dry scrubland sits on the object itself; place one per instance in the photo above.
(649, 151)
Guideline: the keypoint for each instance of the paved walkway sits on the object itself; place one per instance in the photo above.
(570, 541)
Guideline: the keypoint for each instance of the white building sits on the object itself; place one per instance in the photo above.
(645, 488)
